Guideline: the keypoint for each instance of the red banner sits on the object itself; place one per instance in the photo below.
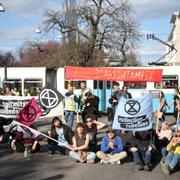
(113, 74)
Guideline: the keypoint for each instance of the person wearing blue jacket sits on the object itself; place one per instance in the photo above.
(111, 149)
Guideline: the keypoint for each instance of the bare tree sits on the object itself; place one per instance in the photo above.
(101, 24)
(7, 59)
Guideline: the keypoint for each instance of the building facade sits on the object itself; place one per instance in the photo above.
(174, 38)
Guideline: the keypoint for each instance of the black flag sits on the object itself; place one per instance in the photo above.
(49, 98)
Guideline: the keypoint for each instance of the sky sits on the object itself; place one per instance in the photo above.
(21, 19)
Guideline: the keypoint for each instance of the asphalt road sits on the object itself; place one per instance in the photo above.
(44, 166)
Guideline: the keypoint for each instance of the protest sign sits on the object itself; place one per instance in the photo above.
(113, 74)
(10, 106)
(134, 114)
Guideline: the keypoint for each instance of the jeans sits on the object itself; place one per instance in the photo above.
(69, 117)
(90, 156)
(55, 147)
(163, 151)
(142, 158)
(172, 159)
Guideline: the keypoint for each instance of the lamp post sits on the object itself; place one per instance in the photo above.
(2, 9)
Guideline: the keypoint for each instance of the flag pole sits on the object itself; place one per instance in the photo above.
(77, 113)
(159, 114)
(177, 120)
(63, 119)
(31, 129)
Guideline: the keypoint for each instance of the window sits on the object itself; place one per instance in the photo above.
(168, 82)
(33, 85)
(135, 85)
(109, 84)
(76, 84)
(13, 83)
(98, 84)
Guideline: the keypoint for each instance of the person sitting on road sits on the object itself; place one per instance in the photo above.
(111, 149)
(61, 133)
(80, 146)
(173, 156)
(91, 127)
(19, 142)
(126, 137)
(164, 137)
(142, 149)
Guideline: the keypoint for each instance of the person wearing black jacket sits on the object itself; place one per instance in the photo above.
(61, 133)
(142, 146)
(113, 100)
(125, 93)
(91, 106)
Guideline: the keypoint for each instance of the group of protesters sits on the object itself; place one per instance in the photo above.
(117, 147)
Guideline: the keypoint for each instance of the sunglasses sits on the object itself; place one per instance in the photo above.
(89, 121)
(177, 135)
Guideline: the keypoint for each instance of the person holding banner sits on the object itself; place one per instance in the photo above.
(111, 149)
(61, 133)
(115, 96)
(80, 146)
(173, 156)
(70, 106)
(20, 140)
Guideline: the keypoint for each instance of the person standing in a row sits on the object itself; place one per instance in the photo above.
(125, 93)
(113, 100)
(176, 102)
(90, 107)
(82, 93)
(70, 106)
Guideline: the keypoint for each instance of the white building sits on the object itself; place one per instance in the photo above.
(174, 38)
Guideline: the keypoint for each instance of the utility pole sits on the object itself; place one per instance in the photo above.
(171, 46)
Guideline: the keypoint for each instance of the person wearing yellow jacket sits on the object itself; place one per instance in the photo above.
(70, 106)
(173, 156)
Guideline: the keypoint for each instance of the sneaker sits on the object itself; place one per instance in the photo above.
(118, 162)
(112, 163)
(51, 152)
(140, 167)
(165, 169)
(147, 167)
(162, 162)
(103, 162)
(90, 161)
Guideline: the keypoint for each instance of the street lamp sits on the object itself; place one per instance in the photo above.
(38, 30)
(2, 9)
